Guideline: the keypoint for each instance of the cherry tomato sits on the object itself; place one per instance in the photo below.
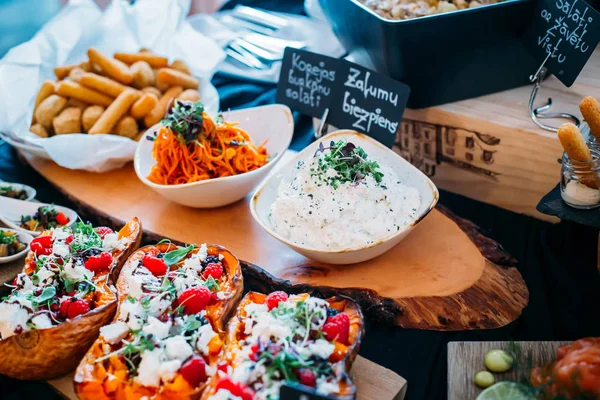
(40, 250)
(103, 231)
(44, 241)
(71, 308)
(62, 218)
(69, 239)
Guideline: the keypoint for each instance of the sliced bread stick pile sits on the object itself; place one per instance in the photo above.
(123, 95)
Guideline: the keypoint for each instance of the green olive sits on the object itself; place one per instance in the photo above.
(498, 361)
(484, 379)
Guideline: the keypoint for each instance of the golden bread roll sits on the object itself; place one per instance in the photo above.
(180, 66)
(68, 121)
(144, 105)
(153, 90)
(45, 91)
(48, 109)
(173, 77)
(77, 103)
(127, 126)
(39, 130)
(90, 116)
(111, 67)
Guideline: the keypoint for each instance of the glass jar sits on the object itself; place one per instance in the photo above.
(580, 182)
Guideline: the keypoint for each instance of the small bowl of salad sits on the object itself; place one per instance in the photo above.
(34, 218)
(13, 244)
(17, 191)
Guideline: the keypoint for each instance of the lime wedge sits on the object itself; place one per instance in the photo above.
(506, 391)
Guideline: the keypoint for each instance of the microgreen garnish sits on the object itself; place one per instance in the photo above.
(193, 322)
(173, 257)
(185, 120)
(86, 237)
(212, 284)
(47, 294)
(350, 163)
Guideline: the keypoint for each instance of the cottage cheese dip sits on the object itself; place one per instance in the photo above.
(340, 199)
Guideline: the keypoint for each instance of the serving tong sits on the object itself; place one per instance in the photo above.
(257, 49)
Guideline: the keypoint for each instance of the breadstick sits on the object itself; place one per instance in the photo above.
(180, 66)
(143, 75)
(153, 90)
(74, 89)
(45, 91)
(172, 77)
(159, 110)
(114, 112)
(113, 68)
(48, 109)
(144, 105)
(62, 71)
(573, 143)
(76, 74)
(102, 84)
(86, 66)
(189, 95)
(590, 109)
(152, 59)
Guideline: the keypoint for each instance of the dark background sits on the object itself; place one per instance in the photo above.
(557, 261)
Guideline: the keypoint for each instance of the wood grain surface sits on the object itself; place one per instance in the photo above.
(465, 359)
(373, 382)
(444, 276)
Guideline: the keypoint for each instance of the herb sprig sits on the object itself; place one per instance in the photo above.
(186, 120)
(350, 163)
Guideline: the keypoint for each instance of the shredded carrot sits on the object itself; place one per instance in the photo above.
(222, 149)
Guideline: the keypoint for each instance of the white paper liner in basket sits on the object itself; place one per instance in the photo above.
(158, 25)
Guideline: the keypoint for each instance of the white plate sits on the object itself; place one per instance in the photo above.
(266, 194)
(273, 123)
(11, 211)
(23, 237)
(19, 186)
(208, 94)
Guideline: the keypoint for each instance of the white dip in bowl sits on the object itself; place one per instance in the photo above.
(341, 199)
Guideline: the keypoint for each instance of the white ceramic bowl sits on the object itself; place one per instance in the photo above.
(19, 186)
(23, 237)
(272, 122)
(11, 211)
(266, 194)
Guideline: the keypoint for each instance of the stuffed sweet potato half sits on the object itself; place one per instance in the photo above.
(166, 338)
(62, 298)
(297, 338)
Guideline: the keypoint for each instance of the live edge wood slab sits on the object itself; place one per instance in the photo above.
(445, 275)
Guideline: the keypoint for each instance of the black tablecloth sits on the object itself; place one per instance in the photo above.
(558, 263)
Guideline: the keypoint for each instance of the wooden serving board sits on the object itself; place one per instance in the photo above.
(373, 382)
(444, 276)
(465, 359)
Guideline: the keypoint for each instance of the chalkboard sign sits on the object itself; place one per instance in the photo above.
(307, 81)
(294, 391)
(568, 31)
(357, 98)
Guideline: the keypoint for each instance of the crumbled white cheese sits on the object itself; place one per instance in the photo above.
(76, 272)
(221, 257)
(320, 348)
(60, 233)
(61, 249)
(133, 313)
(203, 252)
(135, 285)
(157, 328)
(222, 295)
(114, 332)
(110, 241)
(324, 387)
(318, 309)
(158, 305)
(168, 370)
(177, 348)
(43, 274)
(149, 368)
(42, 321)
(205, 334)
(24, 281)
(11, 316)
(192, 263)
(186, 280)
